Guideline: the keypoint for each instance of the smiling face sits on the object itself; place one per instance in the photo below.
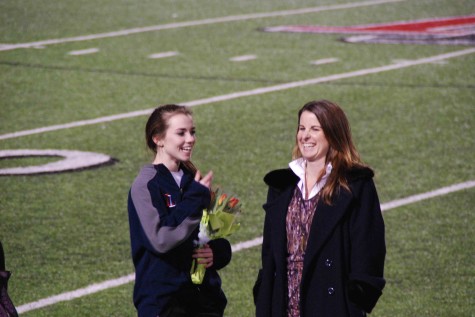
(311, 140)
(177, 144)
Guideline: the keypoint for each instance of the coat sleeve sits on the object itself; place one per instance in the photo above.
(368, 249)
(262, 290)
(222, 253)
(159, 229)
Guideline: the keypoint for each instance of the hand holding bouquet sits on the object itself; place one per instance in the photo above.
(219, 220)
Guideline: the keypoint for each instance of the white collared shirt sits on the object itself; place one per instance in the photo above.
(298, 167)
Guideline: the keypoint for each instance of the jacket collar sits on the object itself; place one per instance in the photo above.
(298, 167)
(187, 175)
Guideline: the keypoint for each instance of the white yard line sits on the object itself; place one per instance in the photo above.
(233, 18)
(246, 244)
(243, 58)
(438, 192)
(94, 288)
(163, 55)
(84, 52)
(252, 92)
(91, 289)
(324, 61)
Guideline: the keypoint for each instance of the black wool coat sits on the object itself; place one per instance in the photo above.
(344, 259)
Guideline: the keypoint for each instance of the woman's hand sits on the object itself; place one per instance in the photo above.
(205, 181)
(204, 255)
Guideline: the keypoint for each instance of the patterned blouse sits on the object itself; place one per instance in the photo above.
(299, 220)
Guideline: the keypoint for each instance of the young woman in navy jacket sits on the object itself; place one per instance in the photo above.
(165, 205)
(323, 248)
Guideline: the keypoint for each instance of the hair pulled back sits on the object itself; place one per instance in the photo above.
(157, 125)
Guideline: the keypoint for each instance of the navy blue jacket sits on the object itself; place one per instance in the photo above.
(344, 259)
(164, 221)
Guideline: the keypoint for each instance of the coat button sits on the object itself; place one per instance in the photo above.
(328, 262)
(331, 291)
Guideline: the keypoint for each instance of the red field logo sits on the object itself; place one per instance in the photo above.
(443, 31)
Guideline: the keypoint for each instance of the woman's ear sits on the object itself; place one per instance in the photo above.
(157, 141)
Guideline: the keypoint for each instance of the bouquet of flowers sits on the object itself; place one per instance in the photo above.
(219, 220)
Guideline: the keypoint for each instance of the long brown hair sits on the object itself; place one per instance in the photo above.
(342, 153)
(157, 125)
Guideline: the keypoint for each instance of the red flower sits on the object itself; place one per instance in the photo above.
(233, 201)
(213, 199)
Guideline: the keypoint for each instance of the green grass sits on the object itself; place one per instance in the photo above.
(430, 258)
(414, 126)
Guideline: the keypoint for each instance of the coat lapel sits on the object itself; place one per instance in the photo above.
(326, 218)
(277, 210)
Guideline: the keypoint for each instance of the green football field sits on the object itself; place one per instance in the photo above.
(84, 75)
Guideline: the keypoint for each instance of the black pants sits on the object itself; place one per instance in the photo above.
(194, 302)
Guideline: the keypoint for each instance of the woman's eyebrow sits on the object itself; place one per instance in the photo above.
(185, 129)
(313, 126)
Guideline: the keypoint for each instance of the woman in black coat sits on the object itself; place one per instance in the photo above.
(324, 248)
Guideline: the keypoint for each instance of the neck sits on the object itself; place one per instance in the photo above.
(172, 165)
(313, 171)
(314, 168)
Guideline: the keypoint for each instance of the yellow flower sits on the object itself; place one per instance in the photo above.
(221, 199)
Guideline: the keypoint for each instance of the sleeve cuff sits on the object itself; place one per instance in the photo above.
(222, 253)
